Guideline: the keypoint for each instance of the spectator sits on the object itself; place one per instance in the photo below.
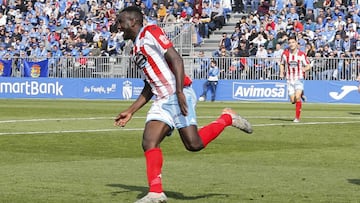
(204, 25)
(225, 42)
(202, 63)
(161, 12)
(217, 16)
(270, 42)
(261, 55)
(211, 82)
(259, 40)
(293, 14)
(239, 6)
(263, 8)
(281, 24)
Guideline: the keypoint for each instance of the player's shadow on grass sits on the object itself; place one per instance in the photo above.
(354, 181)
(170, 194)
(281, 119)
(354, 113)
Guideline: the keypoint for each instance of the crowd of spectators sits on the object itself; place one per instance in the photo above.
(54, 28)
(77, 28)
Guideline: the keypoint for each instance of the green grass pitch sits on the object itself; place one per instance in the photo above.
(69, 151)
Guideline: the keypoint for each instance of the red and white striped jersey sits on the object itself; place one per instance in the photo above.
(153, 43)
(294, 64)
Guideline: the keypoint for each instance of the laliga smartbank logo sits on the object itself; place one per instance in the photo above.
(127, 90)
(260, 91)
(31, 88)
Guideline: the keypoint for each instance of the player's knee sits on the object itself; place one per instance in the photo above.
(148, 145)
(194, 147)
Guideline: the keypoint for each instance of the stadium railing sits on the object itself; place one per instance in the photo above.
(237, 68)
(182, 36)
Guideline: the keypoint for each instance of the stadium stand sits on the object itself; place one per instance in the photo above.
(80, 34)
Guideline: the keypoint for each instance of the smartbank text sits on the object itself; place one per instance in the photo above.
(31, 88)
(260, 91)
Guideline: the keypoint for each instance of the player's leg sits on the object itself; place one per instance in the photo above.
(291, 92)
(194, 139)
(154, 132)
(158, 126)
(299, 87)
(303, 97)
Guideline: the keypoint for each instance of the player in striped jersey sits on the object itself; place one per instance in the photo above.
(295, 63)
(162, 69)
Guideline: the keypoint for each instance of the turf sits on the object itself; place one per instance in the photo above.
(69, 151)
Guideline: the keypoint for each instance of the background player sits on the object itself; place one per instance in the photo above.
(295, 63)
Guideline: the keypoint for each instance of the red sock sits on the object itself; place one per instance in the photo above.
(211, 131)
(298, 109)
(154, 161)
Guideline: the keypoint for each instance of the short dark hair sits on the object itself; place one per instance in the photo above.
(134, 12)
(292, 37)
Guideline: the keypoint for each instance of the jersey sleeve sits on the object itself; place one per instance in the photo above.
(283, 58)
(161, 41)
(306, 60)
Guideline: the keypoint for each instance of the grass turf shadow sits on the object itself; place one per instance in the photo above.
(354, 113)
(281, 119)
(354, 181)
(170, 194)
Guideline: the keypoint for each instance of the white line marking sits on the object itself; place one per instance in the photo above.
(140, 129)
(54, 119)
(142, 117)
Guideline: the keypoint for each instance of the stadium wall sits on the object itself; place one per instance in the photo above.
(127, 89)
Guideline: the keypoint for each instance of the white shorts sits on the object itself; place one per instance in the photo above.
(168, 111)
(293, 86)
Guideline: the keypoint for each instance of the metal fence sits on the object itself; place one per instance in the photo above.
(231, 68)
(182, 35)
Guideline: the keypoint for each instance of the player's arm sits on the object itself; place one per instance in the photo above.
(307, 64)
(177, 67)
(307, 67)
(282, 68)
(144, 97)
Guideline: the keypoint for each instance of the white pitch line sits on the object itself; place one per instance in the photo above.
(140, 129)
(54, 119)
(142, 117)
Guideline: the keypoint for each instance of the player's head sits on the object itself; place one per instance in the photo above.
(293, 44)
(130, 20)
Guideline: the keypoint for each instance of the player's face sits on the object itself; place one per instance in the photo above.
(125, 25)
(292, 44)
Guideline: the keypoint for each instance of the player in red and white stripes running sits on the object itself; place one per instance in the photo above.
(162, 69)
(295, 63)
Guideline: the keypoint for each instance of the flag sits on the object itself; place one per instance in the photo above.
(36, 69)
(5, 68)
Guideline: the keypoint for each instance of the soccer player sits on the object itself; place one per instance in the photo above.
(162, 69)
(295, 63)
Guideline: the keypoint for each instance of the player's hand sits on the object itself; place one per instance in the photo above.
(182, 103)
(122, 119)
(281, 76)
